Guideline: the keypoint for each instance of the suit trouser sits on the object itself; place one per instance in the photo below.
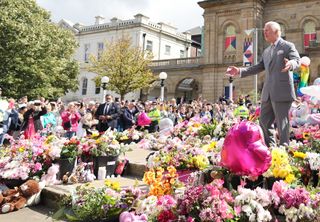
(279, 112)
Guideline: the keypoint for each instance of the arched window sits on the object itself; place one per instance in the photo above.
(309, 29)
(231, 39)
(84, 86)
(283, 31)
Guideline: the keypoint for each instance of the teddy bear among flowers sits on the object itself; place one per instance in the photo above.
(15, 199)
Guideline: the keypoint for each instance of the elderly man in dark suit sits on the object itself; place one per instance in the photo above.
(278, 61)
(128, 116)
(108, 114)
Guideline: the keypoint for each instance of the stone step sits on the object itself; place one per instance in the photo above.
(133, 174)
(51, 195)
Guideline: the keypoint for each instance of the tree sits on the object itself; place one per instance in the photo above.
(126, 66)
(36, 56)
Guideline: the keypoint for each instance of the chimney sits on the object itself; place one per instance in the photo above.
(99, 20)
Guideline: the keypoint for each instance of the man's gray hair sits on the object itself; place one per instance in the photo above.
(275, 26)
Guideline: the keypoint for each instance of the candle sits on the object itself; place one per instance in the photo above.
(102, 173)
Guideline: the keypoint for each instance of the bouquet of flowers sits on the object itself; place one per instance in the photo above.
(296, 204)
(161, 182)
(25, 158)
(280, 165)
(254, 204)
(106, 146)
(211, 202)
(88, 203)
(70, 149)
(130, 135)
(181, 155)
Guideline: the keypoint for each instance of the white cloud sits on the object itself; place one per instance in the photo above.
(183, 14)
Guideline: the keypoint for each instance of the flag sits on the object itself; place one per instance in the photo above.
(248, 48)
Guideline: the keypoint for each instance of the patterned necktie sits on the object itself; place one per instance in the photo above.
(271, 50)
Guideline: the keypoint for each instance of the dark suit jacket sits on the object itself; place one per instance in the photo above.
(113, 111)
(128, 117)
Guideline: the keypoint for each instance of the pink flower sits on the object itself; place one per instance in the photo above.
(190, 219)
(279, 187)
(37, 167)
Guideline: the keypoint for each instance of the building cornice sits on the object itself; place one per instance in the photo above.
(128, 24)
(219, 3)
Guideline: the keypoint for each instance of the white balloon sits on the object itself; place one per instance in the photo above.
(316, 82)
(311, 91)
(305, 61)
(4, 105)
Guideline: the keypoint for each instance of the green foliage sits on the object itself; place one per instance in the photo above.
(36, 56)
(70, 150)
(207, 129)
(127, 67)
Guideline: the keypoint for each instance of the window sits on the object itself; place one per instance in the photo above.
(98, 89)
(230, 39)
(182, 54)
(84, 86)
(283, 31)
(100, 49)
(168, 50)
(309, 33)
(86, 52)
(149, 45)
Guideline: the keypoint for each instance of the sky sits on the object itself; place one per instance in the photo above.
(183, 14)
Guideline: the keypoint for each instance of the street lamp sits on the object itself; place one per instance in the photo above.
(162, 76)
(104, 82)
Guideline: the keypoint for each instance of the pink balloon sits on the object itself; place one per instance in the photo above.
(143, 119)
(244, 151)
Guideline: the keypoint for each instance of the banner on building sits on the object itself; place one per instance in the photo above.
(309, 37)
(231, 43)
(248, 48)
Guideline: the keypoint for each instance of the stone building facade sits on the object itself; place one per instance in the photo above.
(163, 40)
(225, 22)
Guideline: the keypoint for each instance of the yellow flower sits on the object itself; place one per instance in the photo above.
(21, 149)
(299, 155)
(306, 136)
(112, 185)
(290, 178)
(124, 137)
(209, 147)
(200, 161)
(94, 134)
(197, 125)
(280, 163)
(49, 139)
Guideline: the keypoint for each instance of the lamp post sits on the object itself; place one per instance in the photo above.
(104, 82)
(162, 76)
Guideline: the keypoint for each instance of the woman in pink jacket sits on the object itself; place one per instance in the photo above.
(70, 120)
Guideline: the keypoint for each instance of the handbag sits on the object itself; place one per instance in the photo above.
(67, 125)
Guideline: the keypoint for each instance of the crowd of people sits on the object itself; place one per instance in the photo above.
(26, 118)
